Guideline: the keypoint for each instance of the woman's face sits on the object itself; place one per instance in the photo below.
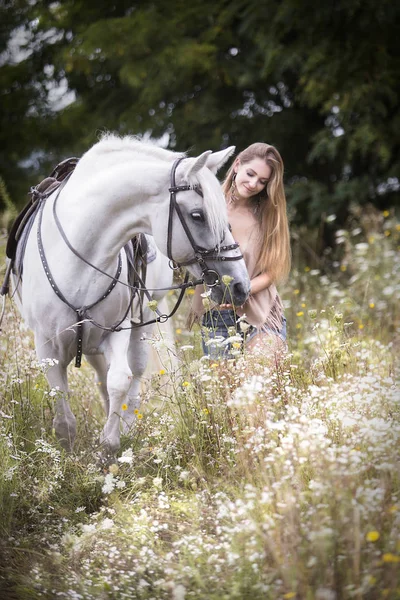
(251, 177)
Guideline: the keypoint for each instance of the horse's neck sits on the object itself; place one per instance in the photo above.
(101, 210)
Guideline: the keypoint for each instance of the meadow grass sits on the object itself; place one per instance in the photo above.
(242, 479)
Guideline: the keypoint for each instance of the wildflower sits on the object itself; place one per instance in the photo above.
(307, 269)
(398, 227)
(372, 536)
(289, 595)
(162, 372)
(303, 305)
(244, 326)
(312, 314)
(226, 279)
(113, 469)
(139, 416)
(190, 292)
(157, 482)
(126, 457)
(206, 294)
(296, 292)
(298, 325)
(387, 232)
(236, 345)
(361, 326)
(153, 305)
(136, 411)
(389, 557)
(300, 313)
(214, 365)
(124, 407)
(338, 317)
(371, 239)
(178, 331)
(343, 268)
(206, 303)
(372, 304)
(386, 213)
(185, 384)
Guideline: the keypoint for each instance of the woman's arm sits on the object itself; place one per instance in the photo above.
(259, 283)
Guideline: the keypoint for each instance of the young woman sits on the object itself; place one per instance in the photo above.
(256, 206)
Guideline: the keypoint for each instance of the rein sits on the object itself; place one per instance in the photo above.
(209, 276)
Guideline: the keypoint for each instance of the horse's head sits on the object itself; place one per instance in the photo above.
(197, 234)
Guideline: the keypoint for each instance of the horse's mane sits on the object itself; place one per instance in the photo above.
(215, 208)
(110, 142)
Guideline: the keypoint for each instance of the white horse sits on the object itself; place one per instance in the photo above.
(73, 261)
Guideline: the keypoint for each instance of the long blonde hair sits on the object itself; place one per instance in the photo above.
(270, 208)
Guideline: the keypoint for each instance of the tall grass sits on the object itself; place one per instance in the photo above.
(243, 479)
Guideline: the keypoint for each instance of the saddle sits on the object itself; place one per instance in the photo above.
(41, 191)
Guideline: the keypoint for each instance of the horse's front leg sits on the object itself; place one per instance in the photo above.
(99, 364)
(119, 378)
(138, 354)
(64, 421)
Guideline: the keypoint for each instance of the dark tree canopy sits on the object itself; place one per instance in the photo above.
(318, 81)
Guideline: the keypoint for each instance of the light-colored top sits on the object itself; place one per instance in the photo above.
(264, 308)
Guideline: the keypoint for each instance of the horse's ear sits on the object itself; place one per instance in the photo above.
(193, 165)
(217, 159)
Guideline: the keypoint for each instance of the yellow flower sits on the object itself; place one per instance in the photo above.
(387, 232)
(152, 305)
(124, 407)
(307, 269)
(190, 292)
(185, 384)
(372, 536)
(205, 411)
(298, 325)
(236, 345)
(398, 227)
(178, 331)
(361, 326)
(300, 313)
(388, 557)
(343, 268)
(372, 305)
(162, 371)
(214, 365)
(372, 580)
(371, 239)
(303, 305)
(136, 412)
(289, 595)
(296, 292)
(226, 279)
(386, 213)
(139, 416)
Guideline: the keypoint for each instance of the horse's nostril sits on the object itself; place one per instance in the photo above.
(240, 292)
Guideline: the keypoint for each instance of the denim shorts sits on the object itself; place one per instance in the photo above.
(218, 325)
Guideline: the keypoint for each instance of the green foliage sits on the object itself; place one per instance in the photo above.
(318, 82)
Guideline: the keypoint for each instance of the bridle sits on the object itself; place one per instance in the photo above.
(210, 277)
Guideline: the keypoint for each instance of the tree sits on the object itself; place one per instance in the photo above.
(320, 83)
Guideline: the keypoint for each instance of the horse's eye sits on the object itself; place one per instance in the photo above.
(197, 215)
